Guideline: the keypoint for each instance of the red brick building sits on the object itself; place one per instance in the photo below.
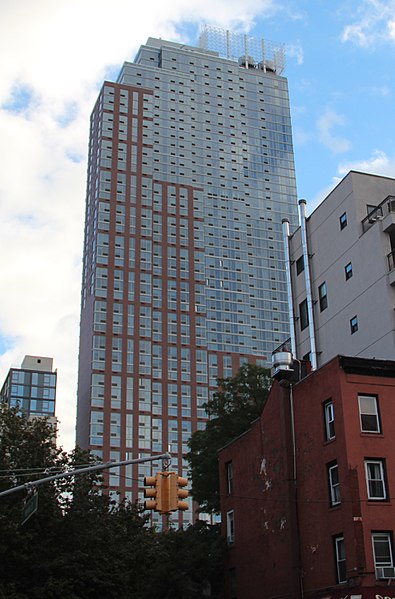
(307, 493)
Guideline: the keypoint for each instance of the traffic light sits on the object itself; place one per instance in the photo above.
(159, 495)
(167, 494)
(177, 493)
(155, 494)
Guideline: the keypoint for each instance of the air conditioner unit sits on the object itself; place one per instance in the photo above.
(385, 572)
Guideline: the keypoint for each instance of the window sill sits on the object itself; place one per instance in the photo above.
(329, 441)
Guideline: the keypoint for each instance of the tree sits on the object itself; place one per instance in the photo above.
(27, 451)
(238, 401)
(81, 544)
(188, 564)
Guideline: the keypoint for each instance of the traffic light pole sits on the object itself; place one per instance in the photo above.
(35, 483)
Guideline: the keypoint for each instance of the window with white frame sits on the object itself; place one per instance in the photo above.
(382, 553)
(329, 416)
(375, 479)
(334, 484)
(230, 526)
(369, 414)
(340, 555)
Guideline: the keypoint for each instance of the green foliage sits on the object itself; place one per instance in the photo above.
(189, 564)
(238, 401)
(82, 545)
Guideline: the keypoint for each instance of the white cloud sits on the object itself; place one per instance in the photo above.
(295, 51)
(374, 23)
(325, 125)
(378, 164)
(380, 90)
(53, 58)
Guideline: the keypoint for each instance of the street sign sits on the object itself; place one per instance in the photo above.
(30, 507)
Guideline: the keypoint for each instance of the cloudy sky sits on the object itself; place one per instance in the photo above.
(54, 56)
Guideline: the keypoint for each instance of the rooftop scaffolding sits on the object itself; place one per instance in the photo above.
(249, 52)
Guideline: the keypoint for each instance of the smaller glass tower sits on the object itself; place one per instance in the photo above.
(32, 387)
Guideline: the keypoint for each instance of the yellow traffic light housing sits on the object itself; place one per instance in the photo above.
(177, 493)
(168, 493)
(155, 494)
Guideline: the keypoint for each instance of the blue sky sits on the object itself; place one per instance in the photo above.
(53, 59)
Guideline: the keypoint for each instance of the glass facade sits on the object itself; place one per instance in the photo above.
(190, 174)
(32, 392)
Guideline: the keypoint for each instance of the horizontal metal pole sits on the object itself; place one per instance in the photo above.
(69, 473)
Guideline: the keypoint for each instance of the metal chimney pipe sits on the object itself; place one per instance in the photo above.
(285, 223)
(306, 259)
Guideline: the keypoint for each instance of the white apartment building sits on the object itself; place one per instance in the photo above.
(341, 272)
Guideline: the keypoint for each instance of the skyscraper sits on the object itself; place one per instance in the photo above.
(32, 387)
(190, 173)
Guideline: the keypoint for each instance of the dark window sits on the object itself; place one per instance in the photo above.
(299, 265)
(233, 583)
(334, 484)
(304, 315)
(370, 208)
(343, 221)
(230, 527)
(323, 297)
(329, 416)
(340, 555)
(369, 414)
(348, 271)
(229, 478)
(354, 324)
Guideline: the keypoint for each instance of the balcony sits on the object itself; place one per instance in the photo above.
(372, 217)
(385, 212)
(389, 215)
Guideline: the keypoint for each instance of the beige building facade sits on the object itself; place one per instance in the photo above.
(344, 302)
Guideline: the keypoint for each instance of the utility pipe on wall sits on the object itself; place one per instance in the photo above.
(309, 296)
(285, 223)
